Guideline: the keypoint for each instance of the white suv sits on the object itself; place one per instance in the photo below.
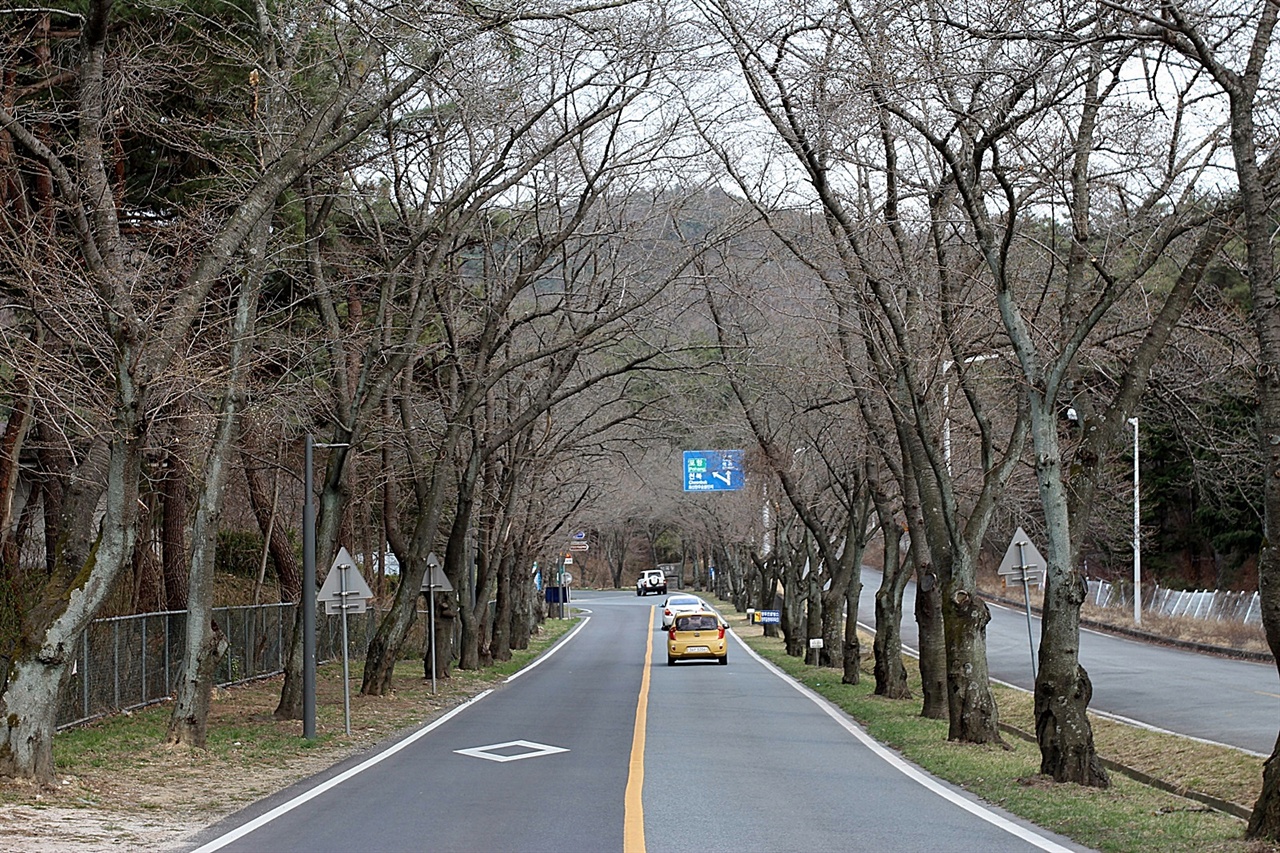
(651, 580)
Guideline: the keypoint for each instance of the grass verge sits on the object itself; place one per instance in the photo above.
(1128, 817)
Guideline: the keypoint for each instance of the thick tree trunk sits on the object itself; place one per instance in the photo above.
(933, 643)
(1063, 692)
(813, 618)
(29, 705)
(971, 705)
(84, 573)
(851, 652)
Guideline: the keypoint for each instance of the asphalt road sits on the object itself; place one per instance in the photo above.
(1225, 701)
(730, 757)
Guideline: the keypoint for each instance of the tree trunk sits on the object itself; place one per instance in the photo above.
(288, 569)
(205, 642)
(890, 674)
(813, 616)
(851, 652)
(173, 526)
(290, 706)
(84, 572)
(190, 719)
(12, 439)
(971, 706)
(501, 647)
(932, 633)
(1063, 690)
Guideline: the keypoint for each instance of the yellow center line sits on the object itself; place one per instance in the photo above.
(633, 815)
(1265, 693)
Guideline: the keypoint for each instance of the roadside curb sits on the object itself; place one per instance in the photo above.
(1224, 806)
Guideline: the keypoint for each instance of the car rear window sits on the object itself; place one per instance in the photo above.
(699, 622)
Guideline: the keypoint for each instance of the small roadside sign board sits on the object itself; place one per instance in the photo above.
(1022, 560)
(344, 589)
(770, 617)
(579, 546)
(713, 470)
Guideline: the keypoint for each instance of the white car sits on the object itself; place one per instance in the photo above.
(681, 604)
(651, 580)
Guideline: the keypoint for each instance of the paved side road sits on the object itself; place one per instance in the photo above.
(1225, 701)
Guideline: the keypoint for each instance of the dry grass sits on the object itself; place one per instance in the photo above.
(1235, 636)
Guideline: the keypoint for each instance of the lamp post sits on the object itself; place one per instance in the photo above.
(1137, 532)
(308, 602)
(946, 402)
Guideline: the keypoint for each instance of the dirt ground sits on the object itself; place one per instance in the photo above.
(157, 798)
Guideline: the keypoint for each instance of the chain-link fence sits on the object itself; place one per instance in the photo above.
(1218, 605)
(129, 662)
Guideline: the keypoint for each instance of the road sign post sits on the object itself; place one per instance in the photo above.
(1022, 562)
(435, 580)
(344, 591)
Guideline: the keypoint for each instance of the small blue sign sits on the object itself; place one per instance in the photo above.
(770, 617)
(713, 470)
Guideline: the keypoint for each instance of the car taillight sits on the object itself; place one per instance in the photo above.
(671, 632)
(721, 634)
(667, 612)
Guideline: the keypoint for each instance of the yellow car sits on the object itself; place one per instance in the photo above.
(694, 636)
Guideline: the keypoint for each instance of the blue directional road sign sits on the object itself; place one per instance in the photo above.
(713, 470)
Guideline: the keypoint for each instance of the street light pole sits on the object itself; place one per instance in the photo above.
(946, 401)
(308, 603)
(1137, 532)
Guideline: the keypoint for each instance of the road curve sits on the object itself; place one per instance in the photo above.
(1204, 696)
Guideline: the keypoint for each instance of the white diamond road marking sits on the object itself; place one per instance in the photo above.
(490, 753)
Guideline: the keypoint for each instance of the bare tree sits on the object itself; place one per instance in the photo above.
(138, 328)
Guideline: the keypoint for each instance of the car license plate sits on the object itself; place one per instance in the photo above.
(693, 650)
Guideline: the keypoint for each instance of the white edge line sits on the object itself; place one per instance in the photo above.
(549, 652)
(901, 765)
(1119, 718)
(284, 808)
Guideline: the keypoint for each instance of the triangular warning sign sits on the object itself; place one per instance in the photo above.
(1027, 557)
(344, 575)
(435, 579)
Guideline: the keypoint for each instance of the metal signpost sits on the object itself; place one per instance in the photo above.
(345, 591)
(1022, 562)
(713, 470)
(435, 580)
